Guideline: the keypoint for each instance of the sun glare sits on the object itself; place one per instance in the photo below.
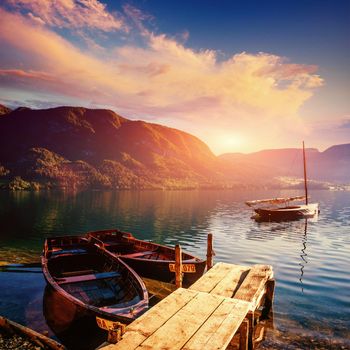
(230, 143)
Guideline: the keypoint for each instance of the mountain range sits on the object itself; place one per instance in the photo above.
(97, 148)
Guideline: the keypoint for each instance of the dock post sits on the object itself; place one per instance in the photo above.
(210, 251)
(270, 291)
(251, 322)
(243, 335)
(115, 335)
(178, 266)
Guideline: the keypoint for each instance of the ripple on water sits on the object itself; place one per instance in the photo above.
(311, 259)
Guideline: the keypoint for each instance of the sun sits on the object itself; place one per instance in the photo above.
(228, 143)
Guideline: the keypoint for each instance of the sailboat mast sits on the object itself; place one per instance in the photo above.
(305, 180)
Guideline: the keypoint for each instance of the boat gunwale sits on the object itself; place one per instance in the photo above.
(100, 311)
(187, 258)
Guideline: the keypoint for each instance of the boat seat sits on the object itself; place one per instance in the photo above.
(138, 254)
(77, 273)
(61, 251)
(89, 277)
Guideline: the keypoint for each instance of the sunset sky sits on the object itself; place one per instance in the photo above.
(240, 75)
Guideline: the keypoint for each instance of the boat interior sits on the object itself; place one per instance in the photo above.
(93, 278)
(125, 245)
(136, 252)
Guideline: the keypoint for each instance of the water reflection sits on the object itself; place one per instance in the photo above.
(303, 256)
(310, 259)
(77, 334)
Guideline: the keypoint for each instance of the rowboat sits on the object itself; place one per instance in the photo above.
(14, 334)
(281, 209)
(148, 259)
(92, 281)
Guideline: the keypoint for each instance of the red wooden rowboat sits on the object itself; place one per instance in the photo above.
(148, 259)
(94, 282)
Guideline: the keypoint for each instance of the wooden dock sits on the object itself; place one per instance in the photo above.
(207, 315)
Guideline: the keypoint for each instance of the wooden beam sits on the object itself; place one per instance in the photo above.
(210, 251)
(251, 325)
(178, 266)
(243, 335)
(270, 292)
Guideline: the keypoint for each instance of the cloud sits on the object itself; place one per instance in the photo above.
(18, 73)
(138, 18)
(186, 88)
(345, 124)
(72, 14)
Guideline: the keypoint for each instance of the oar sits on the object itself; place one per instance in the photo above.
(29, 267)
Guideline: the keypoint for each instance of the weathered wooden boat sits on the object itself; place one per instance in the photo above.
(148, 259)
(10, 329)
(93, 281)
(279, 209)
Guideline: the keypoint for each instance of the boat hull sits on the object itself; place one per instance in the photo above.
(72, 324)
(287, 213)
(112, 290)
(162, 271)
(148, 259)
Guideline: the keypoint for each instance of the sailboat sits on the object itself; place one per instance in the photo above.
(281, 209)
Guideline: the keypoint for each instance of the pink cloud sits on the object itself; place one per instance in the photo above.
(138, 18)
(72, 14)
(18, 73)
(253, 93)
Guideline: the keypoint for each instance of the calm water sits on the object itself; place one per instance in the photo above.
(311, 260)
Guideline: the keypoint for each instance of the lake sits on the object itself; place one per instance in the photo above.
(311, 260)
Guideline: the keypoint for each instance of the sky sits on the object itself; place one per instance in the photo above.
(240, 75)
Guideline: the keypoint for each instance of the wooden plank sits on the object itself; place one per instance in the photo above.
(225, 320)
(29, 334)
(178, 266)
(181, 327)
(254, 284)
(210, 279)
(148, 323)
(131, 340)
(229, 284)
(228, 328)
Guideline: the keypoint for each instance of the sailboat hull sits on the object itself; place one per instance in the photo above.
(287, 213)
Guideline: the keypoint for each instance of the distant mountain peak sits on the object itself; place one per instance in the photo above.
(152, 153)
(341, 151)
(78, 146)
